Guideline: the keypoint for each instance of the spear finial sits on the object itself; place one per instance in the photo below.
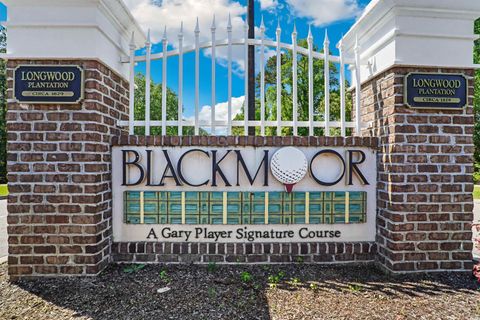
(165, 34)
(197, 27)
(213, 24)
(149, 42)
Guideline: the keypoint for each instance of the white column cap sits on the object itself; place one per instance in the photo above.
(72, 29)
(436, 33)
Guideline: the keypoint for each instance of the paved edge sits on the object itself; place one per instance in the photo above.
(4, 259)
(476, 219)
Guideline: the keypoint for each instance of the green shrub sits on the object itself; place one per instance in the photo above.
(246, 277)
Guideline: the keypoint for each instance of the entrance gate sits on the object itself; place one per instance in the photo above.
(381, 182)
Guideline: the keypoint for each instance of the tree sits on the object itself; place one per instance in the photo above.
(156, 108)
(302, 89)
(476, 106)
(3, 109)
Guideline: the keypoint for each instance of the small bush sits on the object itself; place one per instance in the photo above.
(476, 176)
(274, 280)
(246, 277)
(295, 282)
(164, 276)
(314, 286)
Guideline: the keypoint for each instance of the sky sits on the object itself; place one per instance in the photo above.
(336, 16)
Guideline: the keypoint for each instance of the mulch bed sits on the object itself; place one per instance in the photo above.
(242, 292)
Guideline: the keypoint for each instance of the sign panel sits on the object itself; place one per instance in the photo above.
(48, 84)
(435, 91)
(243, 194)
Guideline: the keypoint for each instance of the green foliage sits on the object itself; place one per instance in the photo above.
(353, 287)
(212, 293)
(133, 268)
(274, 280)
(295, 282)
(156, 108)
(164, 276)
(246, 277)
(476, 192)
(302, 89)
(3, 190)
(212, 267)
(3, 109)
(476, 107)
(314, 286)
(266, 267)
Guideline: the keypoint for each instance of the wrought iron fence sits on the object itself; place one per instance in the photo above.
(260, 43)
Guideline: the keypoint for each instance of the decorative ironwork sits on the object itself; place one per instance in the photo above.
(262, 44)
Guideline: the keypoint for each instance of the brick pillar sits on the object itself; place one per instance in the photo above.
(424, 196)
(59, 208)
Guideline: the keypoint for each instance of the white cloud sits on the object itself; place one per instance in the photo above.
(268, 4)
(170, 13)
(221, 113)
(156, 14)
(221, 110)
(323, 12)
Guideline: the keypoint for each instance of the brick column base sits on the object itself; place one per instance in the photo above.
(59, 208)
(425, 180)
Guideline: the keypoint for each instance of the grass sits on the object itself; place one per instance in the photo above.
(476, 192)
(4, 190)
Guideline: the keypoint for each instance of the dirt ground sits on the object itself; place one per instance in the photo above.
(242, 292)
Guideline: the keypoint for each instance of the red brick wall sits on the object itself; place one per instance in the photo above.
(59, 208)
(425, 184)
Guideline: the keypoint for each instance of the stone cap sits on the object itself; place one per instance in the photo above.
(414, 33)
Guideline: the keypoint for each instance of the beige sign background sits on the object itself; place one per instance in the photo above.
(197, 168)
